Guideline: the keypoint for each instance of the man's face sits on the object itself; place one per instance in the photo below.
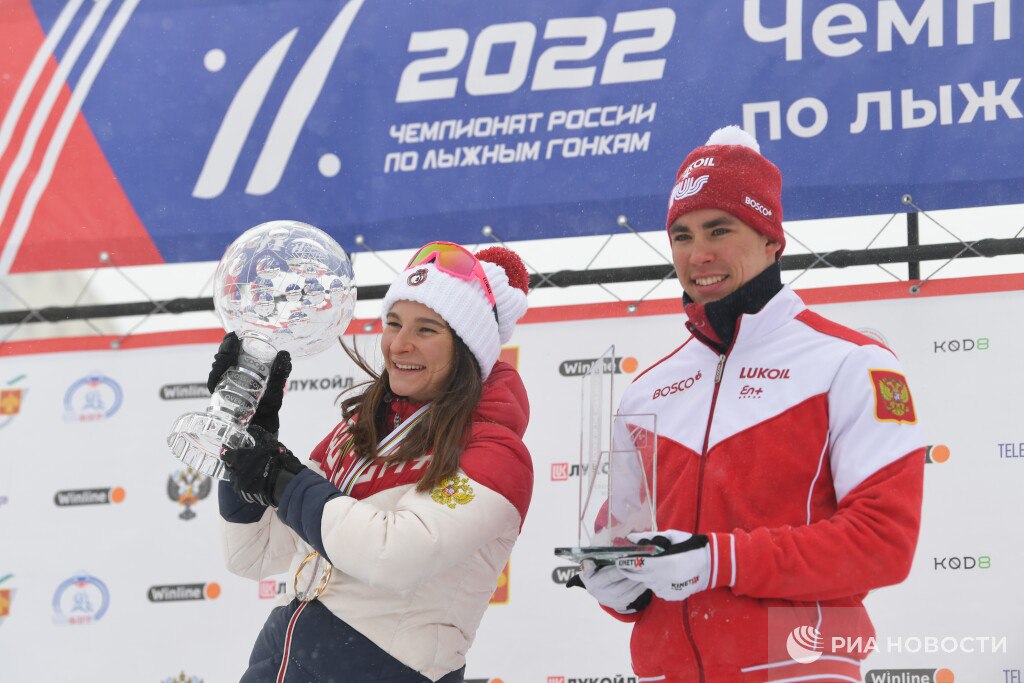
(715, 253)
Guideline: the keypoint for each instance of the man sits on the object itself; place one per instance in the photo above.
(789, 472)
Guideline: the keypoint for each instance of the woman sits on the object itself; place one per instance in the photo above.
(398, 529)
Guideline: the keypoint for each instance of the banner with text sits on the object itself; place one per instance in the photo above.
(159, 131)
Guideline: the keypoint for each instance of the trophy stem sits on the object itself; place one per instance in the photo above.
(198, 438)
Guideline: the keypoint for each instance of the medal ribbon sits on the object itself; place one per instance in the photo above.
(388, 445)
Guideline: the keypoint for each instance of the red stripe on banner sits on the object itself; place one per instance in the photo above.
(982, 284)
(24, 36)
(979, 284)
(103, 343)
(38, 151)
(83, 209)
(616, 309)
(21, 37)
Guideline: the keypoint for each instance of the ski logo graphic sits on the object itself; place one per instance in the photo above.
(289, 121)
(687, 187)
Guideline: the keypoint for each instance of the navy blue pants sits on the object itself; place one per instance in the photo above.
(323, 649)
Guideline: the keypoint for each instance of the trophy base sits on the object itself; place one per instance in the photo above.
(606, 554)
(197, 440)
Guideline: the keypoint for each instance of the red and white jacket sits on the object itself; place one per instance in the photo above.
(798, 453)
(413, 571)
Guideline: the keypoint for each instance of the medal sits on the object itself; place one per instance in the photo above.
(314, 578)
(314, 572)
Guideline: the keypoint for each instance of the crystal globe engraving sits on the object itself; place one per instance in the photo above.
(281, 286)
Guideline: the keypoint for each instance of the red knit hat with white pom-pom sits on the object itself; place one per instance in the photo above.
(464, 305)
(729, 173)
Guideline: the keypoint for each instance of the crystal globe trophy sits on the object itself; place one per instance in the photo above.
(281, 286)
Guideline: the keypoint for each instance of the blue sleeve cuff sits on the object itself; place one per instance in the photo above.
(234, 509)
(302, 506)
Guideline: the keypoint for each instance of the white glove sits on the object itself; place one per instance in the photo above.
(682, 568)
(611, 587)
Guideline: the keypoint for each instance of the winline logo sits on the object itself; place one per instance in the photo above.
(582, 366)
(183, 592)
(173, 392)
(909, 676)
(89, 497)
(939, 453)
(561, 575)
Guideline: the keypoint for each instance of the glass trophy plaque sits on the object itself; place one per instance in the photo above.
(618, 472)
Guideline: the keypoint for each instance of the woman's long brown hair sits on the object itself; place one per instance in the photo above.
(446, 428)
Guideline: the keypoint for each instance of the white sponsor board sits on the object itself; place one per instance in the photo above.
(104, 577)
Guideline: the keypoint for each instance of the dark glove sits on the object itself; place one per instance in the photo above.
(261, 473)
(611, 587)
(270, 404)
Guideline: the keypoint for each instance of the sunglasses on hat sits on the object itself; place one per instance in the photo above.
(456, 261)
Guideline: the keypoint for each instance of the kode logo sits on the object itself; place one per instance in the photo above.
(805, 644)
(966, 344)
(964, 562)
(757, 206)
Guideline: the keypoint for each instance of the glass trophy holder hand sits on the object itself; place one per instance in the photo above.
(281, 286)
(198, 438)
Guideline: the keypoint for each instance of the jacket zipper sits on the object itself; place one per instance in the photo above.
(719, 372)
(707, 434)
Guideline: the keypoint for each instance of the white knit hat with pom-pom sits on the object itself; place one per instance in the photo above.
(464, 304)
